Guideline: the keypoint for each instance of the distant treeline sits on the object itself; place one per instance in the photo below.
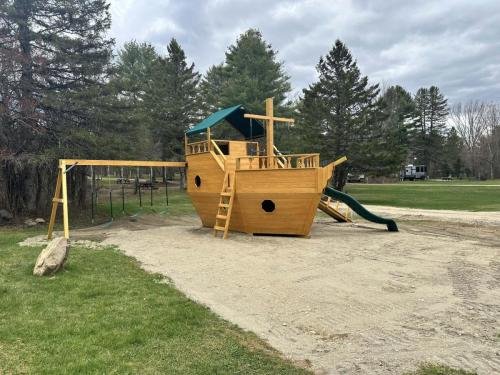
(64, 94)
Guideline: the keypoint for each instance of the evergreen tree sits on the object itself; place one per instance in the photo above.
(127, 118)
(249, 75)
(55, 54)
(175, 101)
(135, 69)
(212, 89)
(399, 108)
(253, 74)
(438, 111)
(340, 112)
(422, 111)
(431, 113)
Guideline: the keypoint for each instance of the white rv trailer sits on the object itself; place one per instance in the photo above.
(413, 172)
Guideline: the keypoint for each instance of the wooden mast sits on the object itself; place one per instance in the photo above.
(269, 119)
(270, 133)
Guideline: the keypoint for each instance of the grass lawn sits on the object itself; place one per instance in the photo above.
(431, 195)
(432, 369)
(103, 314)
(178, 204)
(452, 182)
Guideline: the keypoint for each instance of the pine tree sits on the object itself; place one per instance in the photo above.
(175, 101)
(61, 52)
(340, 112)
(399, 108)
(438, 111)
(212, 88)
(128, 118)
(249, 75)
(135, 69)
(431, 113)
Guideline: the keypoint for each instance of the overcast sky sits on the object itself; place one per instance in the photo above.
(454, 44)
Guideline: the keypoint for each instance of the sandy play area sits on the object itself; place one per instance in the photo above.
(351, 298)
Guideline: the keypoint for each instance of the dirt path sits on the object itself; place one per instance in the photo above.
(350, 299)
(468, 217)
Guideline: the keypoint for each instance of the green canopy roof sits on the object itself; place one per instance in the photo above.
(234, 116)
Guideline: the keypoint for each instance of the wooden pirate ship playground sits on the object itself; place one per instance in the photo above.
(244, 185)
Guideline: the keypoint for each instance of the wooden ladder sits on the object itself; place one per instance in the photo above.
(225, 205)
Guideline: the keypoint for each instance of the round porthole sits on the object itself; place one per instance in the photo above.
(268, 205)
(197, 181)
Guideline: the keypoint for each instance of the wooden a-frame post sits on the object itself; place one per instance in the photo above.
(55, 204)
(61, 184)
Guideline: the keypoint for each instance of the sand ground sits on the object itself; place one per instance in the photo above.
(352, 298)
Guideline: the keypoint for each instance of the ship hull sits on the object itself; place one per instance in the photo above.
(294, 195)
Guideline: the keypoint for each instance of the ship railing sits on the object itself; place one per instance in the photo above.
(214, 145)
(291, 161)
(197, 147)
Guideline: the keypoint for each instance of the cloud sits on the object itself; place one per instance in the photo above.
(453, 44)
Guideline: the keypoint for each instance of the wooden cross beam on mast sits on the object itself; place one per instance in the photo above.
(269, 119)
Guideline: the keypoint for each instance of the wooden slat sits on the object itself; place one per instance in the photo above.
(218, 150)
(340, 160)
(55, 204)
(125, 163)
(65, 200)
(263, 117)
(219, 162)
(333, 212)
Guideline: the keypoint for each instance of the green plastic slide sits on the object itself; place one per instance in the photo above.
(359, 209)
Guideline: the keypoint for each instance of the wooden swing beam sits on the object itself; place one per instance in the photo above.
(61, 191)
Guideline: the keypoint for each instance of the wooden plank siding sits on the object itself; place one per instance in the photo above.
(295, 192)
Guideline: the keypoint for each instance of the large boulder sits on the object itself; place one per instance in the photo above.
(52, 258)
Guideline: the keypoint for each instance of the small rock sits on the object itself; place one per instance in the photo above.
(30, 222)
(39, 220)
(52, 258)
(284, 324)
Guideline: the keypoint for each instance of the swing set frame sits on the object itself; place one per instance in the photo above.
(61, 191)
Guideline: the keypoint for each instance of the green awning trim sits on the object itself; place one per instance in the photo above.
(234, 116)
